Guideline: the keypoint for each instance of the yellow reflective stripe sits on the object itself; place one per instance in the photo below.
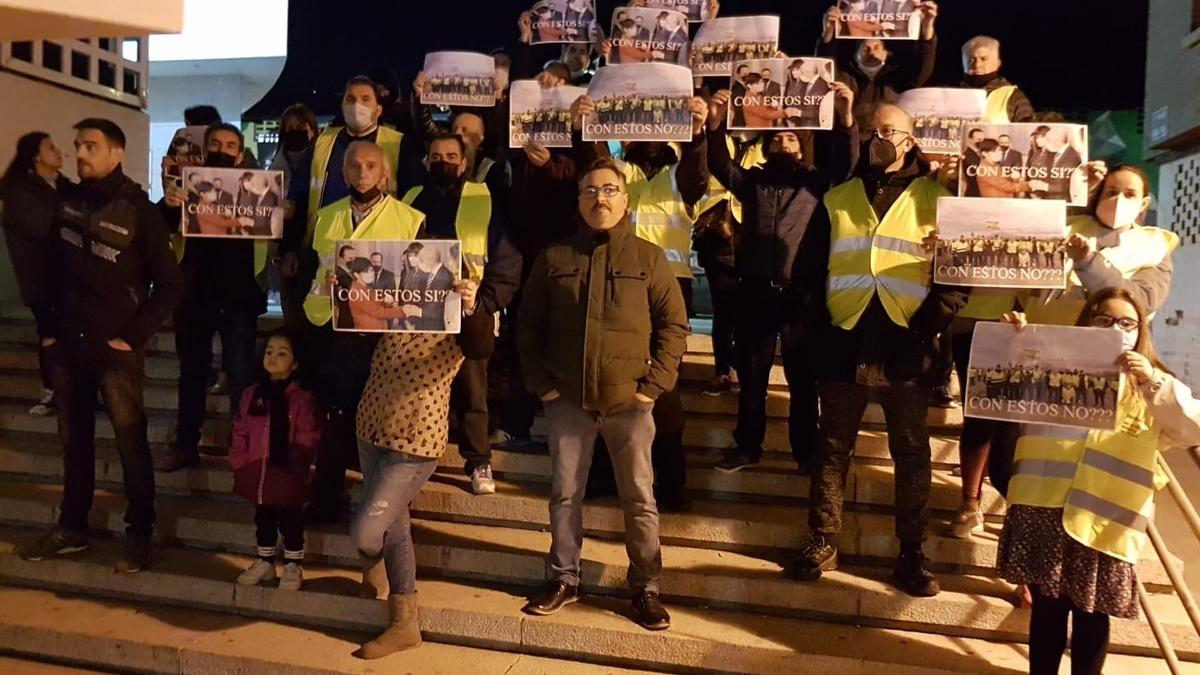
(848, 244)
(1106, 509)
(1045, 468)
(1117, 467)
(660, 216)
(843, 282)
(886, 243)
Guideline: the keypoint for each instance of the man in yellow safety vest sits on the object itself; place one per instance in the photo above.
(981, 70)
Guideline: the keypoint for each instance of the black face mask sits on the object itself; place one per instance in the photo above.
(364, 197)
(782, 162)
(443, 174)
(220, 160)
(880, 154)
(979, 81)
(294, 140)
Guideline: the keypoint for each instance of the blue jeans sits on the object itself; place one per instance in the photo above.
(391, 480)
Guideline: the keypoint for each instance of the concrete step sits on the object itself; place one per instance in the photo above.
(154, 638)
(967, 608)
(701, 639)
(770, 530)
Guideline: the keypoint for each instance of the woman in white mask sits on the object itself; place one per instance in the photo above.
(1108, 247)
(1075, 541)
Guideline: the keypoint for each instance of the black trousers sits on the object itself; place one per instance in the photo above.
(469, 405)
(41, 318)
(1048, 636)
(78, 369)
(341, 376)
(272, 522)
(723, 287)
(194, 329)
(768, 315)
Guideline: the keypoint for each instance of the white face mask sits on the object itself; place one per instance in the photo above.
(358, 116)
(1128, 337)
(1119, 211)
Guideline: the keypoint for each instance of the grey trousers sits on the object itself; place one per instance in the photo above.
(628, 433)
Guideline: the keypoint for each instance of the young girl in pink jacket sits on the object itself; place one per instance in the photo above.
(275, 435)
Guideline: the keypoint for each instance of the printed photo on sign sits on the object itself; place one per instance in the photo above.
(540, 115)
(722, 41)
(695, 10)
(1001, 243)
(640, 102)
(1060, 375)
(459, 78)
(237, 203)
(1025, 161)
(781, 93)
(879, 19)
(940, 115)
(396, 286)
(565, 21)
(186, 149)
(641, 35)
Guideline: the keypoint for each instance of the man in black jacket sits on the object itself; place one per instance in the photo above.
(117, 282)
(440, 199)
(876, 73)
(882, 344)
(221, 295)
(776, 270)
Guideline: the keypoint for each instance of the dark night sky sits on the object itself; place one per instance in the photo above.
(1066, 54)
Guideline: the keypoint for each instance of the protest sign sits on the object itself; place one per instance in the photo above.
(540, 115)
(186, 149)
(1001, 243)
(879, 19)
(695, 10)
(234, 203)
(940, 115)
(642, 35)
(1059, 375)
(1025, 161)
(640, 102)
(723, 40)
(565, 22)
(396, 286)
(459, 78)
(787, 93)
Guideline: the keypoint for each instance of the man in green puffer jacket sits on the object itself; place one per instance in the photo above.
(601, 334)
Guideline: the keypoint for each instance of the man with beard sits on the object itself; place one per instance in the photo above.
(981, 70)
(878, 323)
(777, 254)
(456, 208)
(876, 73)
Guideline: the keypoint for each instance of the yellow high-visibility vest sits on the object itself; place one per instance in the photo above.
(996, 108)
(660, 216)
(387, 138)
(390, 220)
(716, 191)
(1140, 248)
(1104, 483)
(470, 224)
(868, 256)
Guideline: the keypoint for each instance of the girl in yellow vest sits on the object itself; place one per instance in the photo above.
(1080, 500)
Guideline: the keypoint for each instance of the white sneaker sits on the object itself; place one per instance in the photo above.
(967, 521)
(482, 482)
(293, 577)
(45, 405)
(259, 571)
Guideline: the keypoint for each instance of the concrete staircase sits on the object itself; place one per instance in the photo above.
(734, 610)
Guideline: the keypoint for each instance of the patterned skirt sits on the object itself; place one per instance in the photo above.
(1036, 550)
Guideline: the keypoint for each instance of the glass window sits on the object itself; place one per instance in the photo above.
(52, 56)
(132, 79)
(81, 65)
(130, 49)
(23, 51)
(108, 74)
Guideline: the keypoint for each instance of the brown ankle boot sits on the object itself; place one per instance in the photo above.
(403, 631)
(374, 578)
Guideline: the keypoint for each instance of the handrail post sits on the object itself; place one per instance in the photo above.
(1160, 635)
(1177, 580)
(1181, 498)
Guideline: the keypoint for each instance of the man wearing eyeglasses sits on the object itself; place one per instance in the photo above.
(877, 340)
(601, 334)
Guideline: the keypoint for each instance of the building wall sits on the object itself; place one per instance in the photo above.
(1177, 326)
(1172, 70)
(31, 105)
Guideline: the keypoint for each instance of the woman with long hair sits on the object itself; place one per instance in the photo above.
(1080, 500)
(30, 191)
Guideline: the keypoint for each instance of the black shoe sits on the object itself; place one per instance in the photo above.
(136, 555)
(55, 542)
(942, 398)
(735, 461)
(817, 556)
(649, 612)
(176, 458)
(555, 596)
(720, 384)
(911, 576)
